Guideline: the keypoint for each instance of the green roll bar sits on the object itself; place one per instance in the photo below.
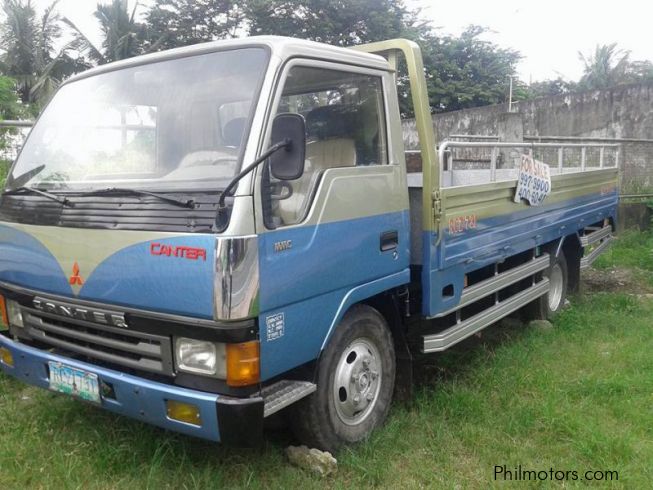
(431, 204)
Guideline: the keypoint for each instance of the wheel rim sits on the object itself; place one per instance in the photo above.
(556, 285)
(357, 381)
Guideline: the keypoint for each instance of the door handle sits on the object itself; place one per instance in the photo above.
(389, 240)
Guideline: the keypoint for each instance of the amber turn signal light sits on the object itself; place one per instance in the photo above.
(6, 357)
(183, 412)
(3, 313)
(243, 364)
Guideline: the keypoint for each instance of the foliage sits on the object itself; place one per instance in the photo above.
(337, 22)
(173, 23)
(28, 54)
(466, 71)
(546, 88)
(4, 169)
(10, 108)
(631, 249)
(123, 36)
(605, 68)
(609, 66)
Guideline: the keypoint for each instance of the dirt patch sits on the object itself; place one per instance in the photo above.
(630, 281)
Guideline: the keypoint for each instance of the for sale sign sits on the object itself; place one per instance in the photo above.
(534, 182)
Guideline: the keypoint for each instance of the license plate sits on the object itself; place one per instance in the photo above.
(75, 382)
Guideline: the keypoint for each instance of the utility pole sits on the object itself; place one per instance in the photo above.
(510, 96)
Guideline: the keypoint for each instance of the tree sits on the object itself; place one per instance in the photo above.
(547, 88)
(338, 22)
(123, 36)
(28, 53)
(609, 66)
(172, 23)
(466, 71)
(605, 68)
(641, 71)
(10, 108)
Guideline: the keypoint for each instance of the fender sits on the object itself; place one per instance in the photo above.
(363, 292)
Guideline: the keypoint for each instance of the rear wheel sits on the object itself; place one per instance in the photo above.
(356, 375)
(549, 305)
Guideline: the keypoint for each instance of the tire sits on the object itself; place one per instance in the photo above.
(546, 307)
(355, 382)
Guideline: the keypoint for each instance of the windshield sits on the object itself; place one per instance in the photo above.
(171, 125)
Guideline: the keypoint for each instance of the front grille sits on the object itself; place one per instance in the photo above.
(136, 350)
(113, 212)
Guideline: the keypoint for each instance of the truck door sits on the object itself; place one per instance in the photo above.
(340, 232)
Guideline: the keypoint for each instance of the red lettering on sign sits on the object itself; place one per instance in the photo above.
(190, 253)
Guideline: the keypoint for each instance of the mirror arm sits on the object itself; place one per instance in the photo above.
(273, 149)
(286, 143)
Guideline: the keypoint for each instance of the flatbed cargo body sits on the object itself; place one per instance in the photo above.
(482, 224)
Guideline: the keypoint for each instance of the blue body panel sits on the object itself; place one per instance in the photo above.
(497, 238)
(131, 277)
(26, 262)
(329, 267)
(137, 398)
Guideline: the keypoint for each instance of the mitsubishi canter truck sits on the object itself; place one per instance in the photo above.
(203, 237)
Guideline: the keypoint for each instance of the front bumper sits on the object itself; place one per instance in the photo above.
(224, 419)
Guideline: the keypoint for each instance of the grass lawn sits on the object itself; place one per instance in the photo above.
(576, 397)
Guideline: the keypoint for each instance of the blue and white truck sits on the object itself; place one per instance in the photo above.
(203, 237)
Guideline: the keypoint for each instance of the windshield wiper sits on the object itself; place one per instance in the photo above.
(34, 190)
(24, 178)
(189, 203)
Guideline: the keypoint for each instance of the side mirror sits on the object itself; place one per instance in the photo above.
(288, 163)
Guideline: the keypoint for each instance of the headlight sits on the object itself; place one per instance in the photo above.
(14, 314)
(201, 357)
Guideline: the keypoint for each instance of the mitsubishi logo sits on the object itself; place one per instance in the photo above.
(76, 279)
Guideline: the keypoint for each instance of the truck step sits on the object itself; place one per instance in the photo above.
(595, 236)
(283, 393)
(495, 283)
(443, 340)
(594, 254)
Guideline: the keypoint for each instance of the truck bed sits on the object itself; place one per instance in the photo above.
(481, 224)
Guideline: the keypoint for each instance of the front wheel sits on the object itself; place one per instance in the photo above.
(355, 381)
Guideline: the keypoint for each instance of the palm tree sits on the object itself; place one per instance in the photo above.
(122, 35)
(607, 67)
(28, 54)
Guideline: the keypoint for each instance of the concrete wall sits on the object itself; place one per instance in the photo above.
(624, 113)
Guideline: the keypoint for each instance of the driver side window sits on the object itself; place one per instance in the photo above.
(345, 127)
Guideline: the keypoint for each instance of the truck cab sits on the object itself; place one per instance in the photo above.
(203, 237)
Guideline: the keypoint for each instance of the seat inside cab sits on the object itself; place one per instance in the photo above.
(329, 145)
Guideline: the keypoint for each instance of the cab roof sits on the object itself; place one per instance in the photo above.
(282, 47)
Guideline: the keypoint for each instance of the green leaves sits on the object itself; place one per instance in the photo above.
(27, 51)
(466, 71)
(609, 66)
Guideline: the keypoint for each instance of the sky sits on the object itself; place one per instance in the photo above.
(548, 33)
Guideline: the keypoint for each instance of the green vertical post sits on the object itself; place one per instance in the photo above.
(423, 121)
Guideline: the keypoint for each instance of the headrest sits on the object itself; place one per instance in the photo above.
(233, 132)
(331, 121)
